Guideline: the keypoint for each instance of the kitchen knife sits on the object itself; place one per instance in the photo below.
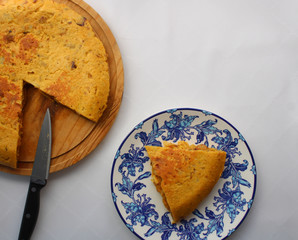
(38, 179)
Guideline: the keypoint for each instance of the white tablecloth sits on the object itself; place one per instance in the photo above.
(238, 59)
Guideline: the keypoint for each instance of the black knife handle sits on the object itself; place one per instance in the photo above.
(31, 210)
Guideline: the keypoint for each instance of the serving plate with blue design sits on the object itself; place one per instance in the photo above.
(139, 204)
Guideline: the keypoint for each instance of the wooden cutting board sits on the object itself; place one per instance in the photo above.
(73, 136)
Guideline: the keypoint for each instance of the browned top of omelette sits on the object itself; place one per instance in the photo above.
(55, 49)
(185, 175)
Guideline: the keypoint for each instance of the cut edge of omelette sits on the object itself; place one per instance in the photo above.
(184, 175)
(11, 105)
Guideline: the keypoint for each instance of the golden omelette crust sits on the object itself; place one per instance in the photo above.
(185, 175)
(55, 49)
(10, 110)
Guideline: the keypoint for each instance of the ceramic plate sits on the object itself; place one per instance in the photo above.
(140, 206)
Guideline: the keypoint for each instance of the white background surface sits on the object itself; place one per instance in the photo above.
(238, 59)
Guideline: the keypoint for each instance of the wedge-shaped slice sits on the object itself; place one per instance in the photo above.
(185, 175)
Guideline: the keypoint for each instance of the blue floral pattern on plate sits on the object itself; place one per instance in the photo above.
(139, 204)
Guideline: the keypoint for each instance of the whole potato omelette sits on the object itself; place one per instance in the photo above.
(50, 46)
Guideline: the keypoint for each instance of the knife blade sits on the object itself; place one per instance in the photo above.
(38, 179)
